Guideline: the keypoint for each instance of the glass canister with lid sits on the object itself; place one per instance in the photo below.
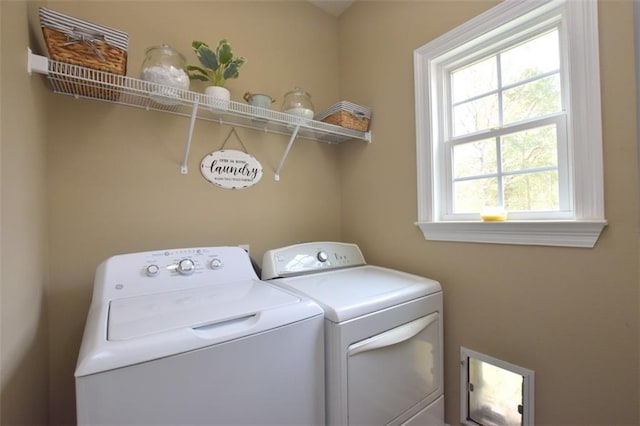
(165, 65)
(298, 102)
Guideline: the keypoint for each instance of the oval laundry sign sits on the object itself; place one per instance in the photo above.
(231, 169)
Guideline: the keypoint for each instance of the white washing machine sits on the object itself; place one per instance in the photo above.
(193, 337)
(383, 333)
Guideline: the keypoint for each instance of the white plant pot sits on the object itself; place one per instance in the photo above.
(219, 98)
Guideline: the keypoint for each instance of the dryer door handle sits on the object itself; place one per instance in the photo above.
(393, 336)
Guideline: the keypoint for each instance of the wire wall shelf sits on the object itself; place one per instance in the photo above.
(81, 82)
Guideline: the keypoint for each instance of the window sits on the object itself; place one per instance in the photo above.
(494, 392)
(506, 130)
(508, 117)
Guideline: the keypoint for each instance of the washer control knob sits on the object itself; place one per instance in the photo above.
(186, 267)
(322, 256)
(215, 264)
(152, 270)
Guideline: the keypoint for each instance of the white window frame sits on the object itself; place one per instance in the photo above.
(587, 221)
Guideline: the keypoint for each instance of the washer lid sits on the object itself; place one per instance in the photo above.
(140, 316)
(349, 293)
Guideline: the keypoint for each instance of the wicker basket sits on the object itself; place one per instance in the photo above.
(114, 60)
(348, 120)
(348, 115)
(78, 42)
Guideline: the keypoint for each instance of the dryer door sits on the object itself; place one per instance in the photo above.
(394, 373)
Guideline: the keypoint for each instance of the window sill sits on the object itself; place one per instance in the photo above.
(582, 233)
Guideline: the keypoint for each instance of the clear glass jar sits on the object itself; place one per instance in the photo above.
(298, 102)
(164, 65)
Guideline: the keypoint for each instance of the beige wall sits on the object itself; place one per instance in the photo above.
(24, 361)
(569, 314)
(112, 185)
(113, 172)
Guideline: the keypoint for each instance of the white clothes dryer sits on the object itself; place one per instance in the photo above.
(383, 333)
(193, 337)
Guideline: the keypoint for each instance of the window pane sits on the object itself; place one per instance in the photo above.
(474, 80)
(530, 149)
(473, 116)
(495, 394)
(474, 158)
(532, 192)
(470, 196)
(534, 57)
(534, 99)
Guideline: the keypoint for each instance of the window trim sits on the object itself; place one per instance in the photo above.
(584, 125)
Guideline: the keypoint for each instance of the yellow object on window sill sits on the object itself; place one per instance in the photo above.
(493, 215)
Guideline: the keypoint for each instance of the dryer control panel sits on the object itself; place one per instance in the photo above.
(305, 258)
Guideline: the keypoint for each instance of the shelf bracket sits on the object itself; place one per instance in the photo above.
(37, 63)
(286, 151)
(184, 169)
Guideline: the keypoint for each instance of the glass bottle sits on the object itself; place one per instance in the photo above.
(166, 66)
(298, 102)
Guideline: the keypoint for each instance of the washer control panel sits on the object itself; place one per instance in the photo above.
(178, 262)
(176, 269)
(305, 258)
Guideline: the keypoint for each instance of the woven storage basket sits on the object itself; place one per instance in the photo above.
(348, 120)
(78, 42)
(115, 60)
(347, 114)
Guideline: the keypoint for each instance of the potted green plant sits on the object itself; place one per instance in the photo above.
(216, 67)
